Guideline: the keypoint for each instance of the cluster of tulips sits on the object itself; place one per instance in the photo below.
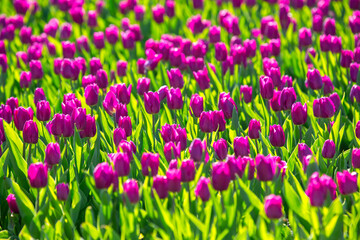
(178, 79)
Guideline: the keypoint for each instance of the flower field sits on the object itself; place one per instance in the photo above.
(179, 119)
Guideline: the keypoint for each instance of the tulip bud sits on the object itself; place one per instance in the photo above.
(131, 189)
(206, 122)
(305, 37)
(328, 85)
(25, 79)
(36, 69)
(277, 136)
(354, 70)
(103, 175)
(161, 186)
(347, 58)
(202, 189)
(196, 105)
(254, 129)
(325, 43)
(304, 154)
(355, 158)
(202, 79)
(68, 49)
(43, 111)
(314, 79)
(220, 148)
(52, 154)
(347, 182)
(139, 12)
(95, 65)
(329, 26)
(68, 126)
(287, 98)
(21, 115)
(121, 67)
(152, 102)
(143, 85)
(101, 79)
(299, 113)
(220, 52)
(197, 149)
(149, 161)
(336, 44)
(246, 93)
(11, 200)
(92, 19)
(220, 176)
(90, 128)
(214, 34)
(317, 24)
(273, 206)
(38, 175)
(91, 94)
(328, 150)
(174, 179)
(112, 34)
(110, 103)
(323, 108)
(266, 87)
(226, 104)
(319, 188)
(6, 113)
(99, 41)
(172, 151)
(241, 146)
(174, 99)
(121, 164)
(218, 121)
(62, 190)
(125, 123)
(119, 135)
(175, 78)
(265, 167)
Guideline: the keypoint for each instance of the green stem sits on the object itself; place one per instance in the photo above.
(188, 188)
(24, 149)
(300, 132)
(29, 156)
(153, 129)
(37, 199)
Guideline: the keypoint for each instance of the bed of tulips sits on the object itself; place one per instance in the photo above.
(179, 119)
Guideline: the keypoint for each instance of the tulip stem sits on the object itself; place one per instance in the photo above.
(222, 200)
(29, 156)
(24, 149)
(37, 199)
(175, 120)
(257, 146)
(188, 188)
(279, 117)
(153, 128)
(300, 132)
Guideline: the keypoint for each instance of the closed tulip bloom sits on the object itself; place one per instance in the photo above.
(77, 14)
(317, 23)
(266, 87)
(265, 167)
(319, 188)
(91, 94)
(139, 12)
(143, 85)
(314, 79)
(347, 58)
(299, 113)
(123, 93)
(275, 101)
(246, 93)
(62, 191)
(68, 126)
(273, 206)
(355, 158)
(218, 121)
(220, 52)
(65, 31)
(323, 108)
(149, 164)
(328, 85)
(336, 44)
(254, 129)
(5, 113)
(38, 175)
(52, 154)
(277, 136)
(25, 79)
(328, 150)
(90, 127)
(220, 176)
(131, 190)
(119, 135)
(57, 125)
(347, 182)
(206, 122)
(67, 67)
(36, 69)
(103, 175)
(102, 79)
(11, 200)
(226, 104)
(172, 151)
(95, 65)
(30, 132)
(121, 67)
(220, 148)
(202, 79)
(287, 98)
(161, 186)
(158, 13)
(152, 102)
(354, 70)
(329, 26)
(92, 19)
(214, 34)
(43, 111)
(121, 164)
(175, 78)
(305, 37)
(68, 49)
(304, 154)
(325, 43)
(202, 189)
(355, 93)
(110, 103)
(196, 105)
(170, 8)
(187, 170)
(21, 115)
(124, 122)
(99, 41)
(241, 146)
(198, 150)
(13, 103)
(174, 99)
(112, 34)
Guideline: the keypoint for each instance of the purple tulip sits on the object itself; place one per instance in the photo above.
(277, 136)
(103, 175)
(112, 34)
(38, 175)
(43, 111)
(187, 170)
(266, 87)
(13, 206)
(347, 58)
(241, 146)
(161, 186)
(62, 191)
(131, 189)
(347, 182)
(21, 115)
(175, 78)
(90, 128)
(91, 94)
(174, 99)
(328, 150)
(92, 19)
(265, 167)
(220, 148)
(52, 154)
(202, 189)
(273, 206)
(220, 176)
(254, 129)
(152, 102)
(226, 104)
(323, 108)
(319, 188)
(299, 113)
(196, 105)
(202, 79)
(143, 85)
(287, 98)
(25, 79)
(36, 69)
(121, 67)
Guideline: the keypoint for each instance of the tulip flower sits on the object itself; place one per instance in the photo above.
(43, 111)
(62, 191)
(119, 135)
(355, 158)
(13, 206)
(143, 85)
(277, 136)
(328, 150)
(299, 113)
(103, 175)
(172, 151)
(21, 115)
(187, 169)
(90, 128)
(149, 161)
(202, 189)
(273, 206)
(91, 94)
(226, 104)
(131, 189)
(161, 186)
(220, 176)
(323, 108)
(347, 182)
(196, 105)
(38, 175)
(266, 87)
(319, 188)
(241, 146)
(265, 167)
(220, 148)
(246, 93)
(124, 122)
